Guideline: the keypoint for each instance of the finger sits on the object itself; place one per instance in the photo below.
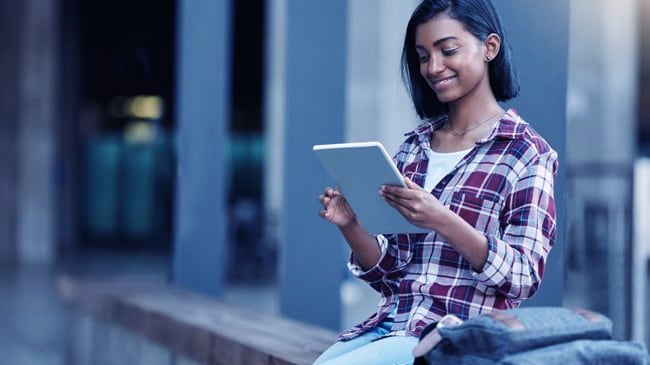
(389, 196)
(396, 191)
(325, 214)
(394, 200)
(333, 193)
(326, 203)
(401, 208)
(410, 184)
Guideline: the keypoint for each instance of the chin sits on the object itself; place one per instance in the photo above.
(445, 98)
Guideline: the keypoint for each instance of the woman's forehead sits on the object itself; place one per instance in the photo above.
(440, 28)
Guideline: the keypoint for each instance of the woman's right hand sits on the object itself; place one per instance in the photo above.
(335, 208)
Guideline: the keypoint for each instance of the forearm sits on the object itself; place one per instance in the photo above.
(465, 239)
(365, 246)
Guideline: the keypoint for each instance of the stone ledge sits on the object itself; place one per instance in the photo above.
(201, 328)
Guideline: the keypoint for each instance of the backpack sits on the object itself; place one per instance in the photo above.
(534, 335)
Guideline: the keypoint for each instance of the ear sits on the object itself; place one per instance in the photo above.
(492, 45)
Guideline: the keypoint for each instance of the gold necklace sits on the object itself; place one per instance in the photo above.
(456, 134)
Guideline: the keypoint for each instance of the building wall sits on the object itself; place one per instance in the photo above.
(601, 145)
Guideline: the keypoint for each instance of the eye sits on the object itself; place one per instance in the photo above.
(423, 58)
(450, 51)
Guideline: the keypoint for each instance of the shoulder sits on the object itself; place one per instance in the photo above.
(422, 133)
(522, 139)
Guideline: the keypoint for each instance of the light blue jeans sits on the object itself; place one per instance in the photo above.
(370, 349)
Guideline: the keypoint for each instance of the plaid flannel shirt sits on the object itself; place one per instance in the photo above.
(504, 188)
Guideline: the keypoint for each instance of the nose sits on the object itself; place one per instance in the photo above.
(434, 65)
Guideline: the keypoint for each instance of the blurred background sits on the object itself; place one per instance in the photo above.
(172, 139)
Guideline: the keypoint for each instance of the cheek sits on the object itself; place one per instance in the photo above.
(423, 70)
(474, 65)
(475, 72)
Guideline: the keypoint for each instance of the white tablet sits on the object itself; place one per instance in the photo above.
(360, 169)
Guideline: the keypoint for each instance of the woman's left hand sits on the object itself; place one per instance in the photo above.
(417, 205)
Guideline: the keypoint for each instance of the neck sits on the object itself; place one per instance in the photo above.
(474, 107)
(465, 116)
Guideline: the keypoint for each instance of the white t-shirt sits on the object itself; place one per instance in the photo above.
(440, 164)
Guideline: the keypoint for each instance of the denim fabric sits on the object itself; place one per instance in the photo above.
(543, 335)
(504, 332)
(590, 352)
(371, 348)
(390, 350)
(579, 352)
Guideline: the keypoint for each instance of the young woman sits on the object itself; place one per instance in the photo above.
(478, 176)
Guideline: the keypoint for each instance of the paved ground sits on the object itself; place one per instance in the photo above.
(32, 318)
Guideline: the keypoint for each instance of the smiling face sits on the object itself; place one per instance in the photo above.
(453, 62)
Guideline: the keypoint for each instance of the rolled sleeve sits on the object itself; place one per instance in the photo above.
(515, 262)
(375, 274)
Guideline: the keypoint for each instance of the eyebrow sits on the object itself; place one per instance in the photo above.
(441, 40)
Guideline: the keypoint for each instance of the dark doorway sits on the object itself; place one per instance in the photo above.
(125, 127)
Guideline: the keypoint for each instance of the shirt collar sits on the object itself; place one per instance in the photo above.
(511, 126)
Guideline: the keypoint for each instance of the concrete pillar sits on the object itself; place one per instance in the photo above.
(311, 255)
(641, 250)
(602, 118)
(542, 102)
(274, 115)
(36, 137)
(200, 246)
(378, 106)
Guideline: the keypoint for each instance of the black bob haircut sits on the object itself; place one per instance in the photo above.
(479, 17)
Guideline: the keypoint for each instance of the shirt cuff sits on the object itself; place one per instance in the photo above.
(377, 272)
(498, 264)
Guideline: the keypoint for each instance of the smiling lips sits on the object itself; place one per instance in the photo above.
(441, 83)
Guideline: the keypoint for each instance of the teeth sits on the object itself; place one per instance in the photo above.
(443, 81)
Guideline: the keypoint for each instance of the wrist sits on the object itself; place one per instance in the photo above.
(442, 221)
(350, 225)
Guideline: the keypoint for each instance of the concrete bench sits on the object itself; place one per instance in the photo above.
(198, 328)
